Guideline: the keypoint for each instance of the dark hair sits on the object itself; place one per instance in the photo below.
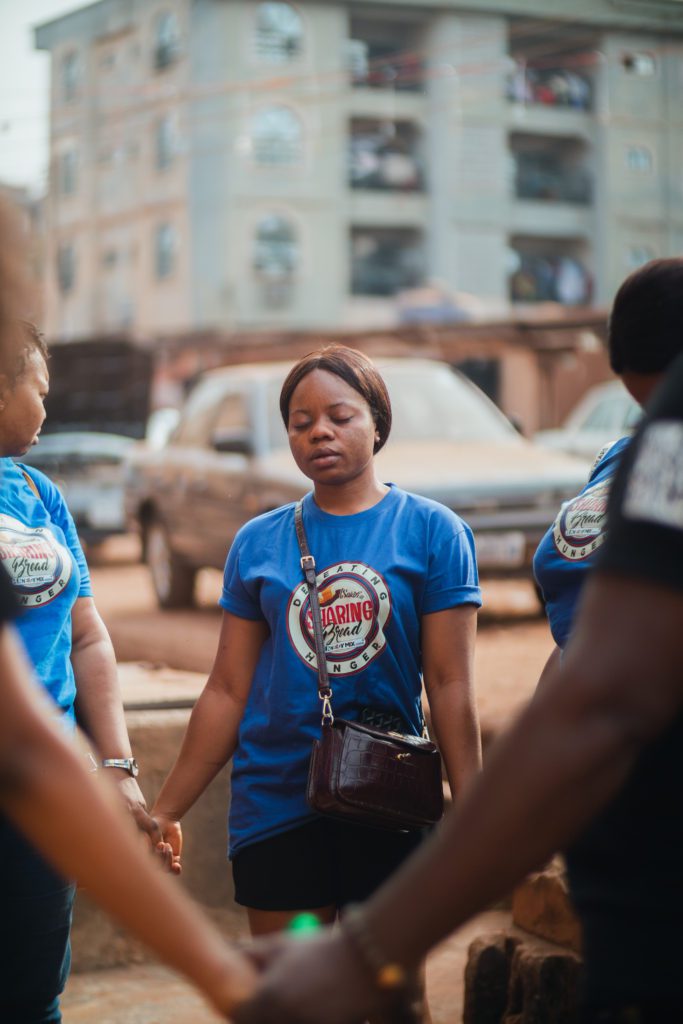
(357, 370)
(646, 324)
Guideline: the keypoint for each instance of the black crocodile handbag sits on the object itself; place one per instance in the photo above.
(360, 773)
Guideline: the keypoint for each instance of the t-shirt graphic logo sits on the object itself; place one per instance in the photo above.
(580, 526)
(38, 565)
(355, 605)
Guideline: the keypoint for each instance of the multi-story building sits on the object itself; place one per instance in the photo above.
(234, 164)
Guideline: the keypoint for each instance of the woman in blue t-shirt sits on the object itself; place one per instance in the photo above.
(73, 658)
(399, 594)
(644, 338)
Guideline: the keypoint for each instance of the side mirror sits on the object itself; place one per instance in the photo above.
(233, 442)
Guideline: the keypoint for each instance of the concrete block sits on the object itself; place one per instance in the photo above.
(541, 905)
(487, 975)
(543, 987)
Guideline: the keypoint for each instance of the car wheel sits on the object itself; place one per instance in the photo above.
(172, 579)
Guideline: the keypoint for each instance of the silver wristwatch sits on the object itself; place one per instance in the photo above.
(129, 764)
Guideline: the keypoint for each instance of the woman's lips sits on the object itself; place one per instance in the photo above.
(325, 458)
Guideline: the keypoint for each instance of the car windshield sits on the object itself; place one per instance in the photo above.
(429, 403)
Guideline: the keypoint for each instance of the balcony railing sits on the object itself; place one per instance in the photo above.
(384, 66)
(548, 182)
(385, 164)
(550, 278)
(550, 87)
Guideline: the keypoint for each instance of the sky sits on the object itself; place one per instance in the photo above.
(24, 90)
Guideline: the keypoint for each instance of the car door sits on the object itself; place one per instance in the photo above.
(177, 475)
(221, 495)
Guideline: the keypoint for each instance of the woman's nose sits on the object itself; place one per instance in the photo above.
(321, 428)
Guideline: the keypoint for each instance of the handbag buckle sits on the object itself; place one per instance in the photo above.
(326, 698)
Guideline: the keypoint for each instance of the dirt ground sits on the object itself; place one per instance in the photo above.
(512, 647)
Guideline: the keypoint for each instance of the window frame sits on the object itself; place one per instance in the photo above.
(266, 53)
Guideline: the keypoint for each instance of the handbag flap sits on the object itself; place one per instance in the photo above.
(415, 743)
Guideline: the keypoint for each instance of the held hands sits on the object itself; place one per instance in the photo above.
(149, 826)
(308, 981)
(171, 836)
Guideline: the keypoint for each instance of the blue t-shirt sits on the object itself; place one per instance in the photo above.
(40, 551)
(378, 572)
(565, 554)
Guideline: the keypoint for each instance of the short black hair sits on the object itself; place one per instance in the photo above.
(357, 370)
(646, 324)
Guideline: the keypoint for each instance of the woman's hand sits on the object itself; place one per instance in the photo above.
(309, 981)
(171, 838)
(134, 802)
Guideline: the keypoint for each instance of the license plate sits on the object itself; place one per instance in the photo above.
(106, 511)
(501, 550)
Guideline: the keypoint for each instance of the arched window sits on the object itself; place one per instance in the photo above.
(639, 159)
(277, 136)
(166, 40)
(276, 249)
(279, 32)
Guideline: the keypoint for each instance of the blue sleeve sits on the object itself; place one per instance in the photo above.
(240, 597)
(453, 576)
(59, 514)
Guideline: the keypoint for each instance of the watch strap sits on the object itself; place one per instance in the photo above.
(128, 764)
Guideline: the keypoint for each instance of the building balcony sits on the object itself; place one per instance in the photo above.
(385, 260)
(550, 219)
(382, 55)
(385, 156)
(551, 121)
(550, 270)
(364, 102)
(555, 87)
(367, 207)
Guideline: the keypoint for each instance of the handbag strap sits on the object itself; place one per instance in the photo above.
(308, 567)
(30, 481)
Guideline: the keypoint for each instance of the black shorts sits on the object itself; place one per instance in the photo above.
(323, 863)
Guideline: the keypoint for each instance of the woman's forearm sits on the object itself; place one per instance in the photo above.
(74, 819)
(66, 814)
(448, 639)
(208, 745)
(456, 731)
(99, 708)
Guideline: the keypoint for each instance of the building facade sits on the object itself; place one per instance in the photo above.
(222, 165)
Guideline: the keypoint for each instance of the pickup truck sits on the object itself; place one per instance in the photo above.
(228, 460)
